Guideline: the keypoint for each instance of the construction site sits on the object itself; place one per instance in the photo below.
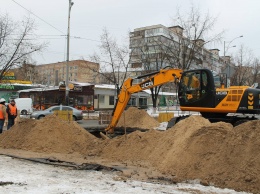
(213, 154)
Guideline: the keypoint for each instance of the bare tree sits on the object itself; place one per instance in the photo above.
(114, 60)
(243, 70)
(26, 71)
(17, 42)
(256, 71)
(186, 46)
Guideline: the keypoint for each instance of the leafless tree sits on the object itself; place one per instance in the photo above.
(256, 71)
(114, 60)
(186, 48)
(27, 71)
(243, 70)
(17, 42)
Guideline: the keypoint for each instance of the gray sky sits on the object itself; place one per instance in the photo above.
(89, 18)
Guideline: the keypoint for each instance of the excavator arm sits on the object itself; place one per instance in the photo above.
(150, 81)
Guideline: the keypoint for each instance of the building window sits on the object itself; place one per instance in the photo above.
(101, 99)
(142, 101)
(132, 102)
(111, 100)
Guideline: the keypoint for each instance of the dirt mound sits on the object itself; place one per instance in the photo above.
(155, 146)
(137, 118)
(216, 154)
(48, 135)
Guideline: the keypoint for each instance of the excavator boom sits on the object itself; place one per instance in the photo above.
(150, 81)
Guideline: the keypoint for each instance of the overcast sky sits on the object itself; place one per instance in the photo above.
(89, 18)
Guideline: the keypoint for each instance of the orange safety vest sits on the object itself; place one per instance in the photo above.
(12, 109)
(1, 112)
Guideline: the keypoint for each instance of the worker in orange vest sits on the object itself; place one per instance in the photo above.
(3, 115)
(11, 113)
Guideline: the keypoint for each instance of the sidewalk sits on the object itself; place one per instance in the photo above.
(21, 176)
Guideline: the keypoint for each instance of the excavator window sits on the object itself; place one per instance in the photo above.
(193, 85)
(204, 79)
(217, 81)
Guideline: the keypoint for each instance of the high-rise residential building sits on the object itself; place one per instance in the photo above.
(155, 47)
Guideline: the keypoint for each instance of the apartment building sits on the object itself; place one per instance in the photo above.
(157, 46)
(79, 71)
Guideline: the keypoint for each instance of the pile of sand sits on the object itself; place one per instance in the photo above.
(137, 118)
(49, 135)
(216, 154)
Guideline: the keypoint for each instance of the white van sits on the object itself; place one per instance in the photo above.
(24, 105)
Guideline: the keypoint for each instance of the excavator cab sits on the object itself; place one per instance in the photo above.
(197, 89)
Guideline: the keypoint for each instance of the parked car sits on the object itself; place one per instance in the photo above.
(77, 114)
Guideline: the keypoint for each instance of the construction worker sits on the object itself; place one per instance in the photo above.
(3, 115)
(11, 113)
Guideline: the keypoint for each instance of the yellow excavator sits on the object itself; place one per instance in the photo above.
(198, 91)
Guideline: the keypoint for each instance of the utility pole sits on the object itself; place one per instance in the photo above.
(67, 63)
(224, 48)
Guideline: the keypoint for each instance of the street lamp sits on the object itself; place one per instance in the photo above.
(67, 64)
(228, 46)
(226, 49)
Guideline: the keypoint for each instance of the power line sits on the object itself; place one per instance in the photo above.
(38, 17)
(35, 39)
(63, 34)
(76, 37)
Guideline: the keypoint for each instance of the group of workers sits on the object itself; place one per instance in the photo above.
(7, 114)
